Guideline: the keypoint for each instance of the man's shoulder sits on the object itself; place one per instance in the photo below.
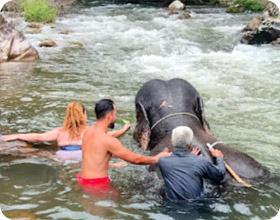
(110, 141)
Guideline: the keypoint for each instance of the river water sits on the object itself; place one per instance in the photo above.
(123, 47)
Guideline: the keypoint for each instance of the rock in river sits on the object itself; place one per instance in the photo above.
(185, 16)
(76, 44)
(47, 43)
(176, 6)
(13, 45)
(263, 30)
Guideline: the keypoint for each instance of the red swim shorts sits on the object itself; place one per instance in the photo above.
(97, 186)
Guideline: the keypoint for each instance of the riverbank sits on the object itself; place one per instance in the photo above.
(60, 5)
(125, 46)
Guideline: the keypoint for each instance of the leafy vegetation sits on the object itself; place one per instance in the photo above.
(38, 10)
(250, 5)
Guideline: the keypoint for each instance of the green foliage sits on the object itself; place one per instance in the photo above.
(250, 5)
(38, 10)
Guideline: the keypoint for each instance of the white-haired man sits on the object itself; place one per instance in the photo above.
(183, 172)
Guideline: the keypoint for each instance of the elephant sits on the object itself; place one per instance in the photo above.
(163, 105)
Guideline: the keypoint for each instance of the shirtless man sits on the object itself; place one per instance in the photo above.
(98, 147)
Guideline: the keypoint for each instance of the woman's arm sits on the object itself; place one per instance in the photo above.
(33, 137)
(119, 133)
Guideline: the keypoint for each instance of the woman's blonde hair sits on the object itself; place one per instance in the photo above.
(74, 121)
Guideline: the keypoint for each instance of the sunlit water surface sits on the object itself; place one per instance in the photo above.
(123, 47)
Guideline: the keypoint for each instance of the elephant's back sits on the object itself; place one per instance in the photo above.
(244, 165)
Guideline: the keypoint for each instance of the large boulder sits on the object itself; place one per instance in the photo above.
(263, 30)
(176, 6)
(13, 45)
(11, 6)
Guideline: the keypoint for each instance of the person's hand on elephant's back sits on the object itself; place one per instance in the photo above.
(216, 153)
(195, 151)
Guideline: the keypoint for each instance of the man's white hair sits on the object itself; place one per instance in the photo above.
(182, 136)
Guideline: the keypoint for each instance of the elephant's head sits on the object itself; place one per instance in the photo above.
(142, 132)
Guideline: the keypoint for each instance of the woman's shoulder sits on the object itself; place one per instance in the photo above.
(59, 130)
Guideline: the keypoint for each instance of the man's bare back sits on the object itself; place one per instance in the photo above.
(98, 147)
(95, 159)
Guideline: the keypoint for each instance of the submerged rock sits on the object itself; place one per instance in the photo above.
(16, 147)
(47, 43)
(276, 42)
(34, 25)
(13, 45)
(76, 44)
(185, 16)
(16, 68)
(65, 32)
(34, 28)
(19, 214)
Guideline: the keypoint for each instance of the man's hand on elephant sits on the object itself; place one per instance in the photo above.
(216, 153)
(195, 151)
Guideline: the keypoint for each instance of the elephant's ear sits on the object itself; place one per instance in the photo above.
(199, 110)
(142, 131)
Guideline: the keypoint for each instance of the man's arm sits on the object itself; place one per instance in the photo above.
(215, 172)
(119, 133)
(116, 148)
(33, 137)
(118, 164)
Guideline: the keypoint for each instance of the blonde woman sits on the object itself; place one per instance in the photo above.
(69, 137)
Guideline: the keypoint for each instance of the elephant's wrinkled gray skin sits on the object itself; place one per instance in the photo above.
(157, 99)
